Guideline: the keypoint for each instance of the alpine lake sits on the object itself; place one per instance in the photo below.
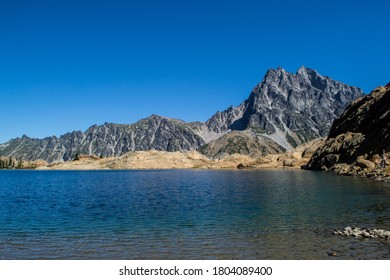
(189, 214)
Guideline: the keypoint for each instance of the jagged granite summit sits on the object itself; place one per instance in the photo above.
(290, 109)
(283, 111)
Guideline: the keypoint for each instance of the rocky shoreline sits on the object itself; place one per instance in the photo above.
(364, 233)
(363, 168)
(377, 173)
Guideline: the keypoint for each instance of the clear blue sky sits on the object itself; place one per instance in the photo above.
(66, 65)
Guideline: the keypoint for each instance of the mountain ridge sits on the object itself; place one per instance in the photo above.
(281, 112)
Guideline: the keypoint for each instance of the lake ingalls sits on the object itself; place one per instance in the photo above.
(189, 214)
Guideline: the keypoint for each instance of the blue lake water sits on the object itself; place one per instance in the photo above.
(188, 214)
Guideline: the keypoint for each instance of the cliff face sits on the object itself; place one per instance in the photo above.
(283, 111)
(358, 137)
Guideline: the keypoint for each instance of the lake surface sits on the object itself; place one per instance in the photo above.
(189, 214)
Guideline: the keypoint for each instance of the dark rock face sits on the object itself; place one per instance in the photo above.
(283, 111)
(361, 132)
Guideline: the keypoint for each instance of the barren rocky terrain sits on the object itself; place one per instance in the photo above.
(171, 160)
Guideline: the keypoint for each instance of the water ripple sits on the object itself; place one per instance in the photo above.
(188, 214)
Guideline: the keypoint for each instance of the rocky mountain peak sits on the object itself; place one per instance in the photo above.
(154, 116)
(307, 72)
(275, 75)
(288, 108)
(310, 76)
(278, 74)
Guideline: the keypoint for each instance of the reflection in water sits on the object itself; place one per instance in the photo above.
(188, 214)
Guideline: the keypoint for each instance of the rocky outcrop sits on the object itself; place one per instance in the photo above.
(241, 142)
(283, 111)
(295, 158)
(358, 138)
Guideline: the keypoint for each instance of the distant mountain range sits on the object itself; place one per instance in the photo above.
(282, 111)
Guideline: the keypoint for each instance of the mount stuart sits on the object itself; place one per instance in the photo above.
(283, 111)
